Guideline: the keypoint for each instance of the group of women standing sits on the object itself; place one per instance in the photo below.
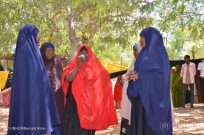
(41, 88)
(45, 99)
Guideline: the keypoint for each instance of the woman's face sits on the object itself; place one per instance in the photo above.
(49, 53)
(38, 37)
(142, 41)
(135, 53)
(85, 53)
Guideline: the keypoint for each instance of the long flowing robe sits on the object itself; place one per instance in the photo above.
(153, 84)
(54, 70)
(33, 109)
(92, 91)
(176, 87)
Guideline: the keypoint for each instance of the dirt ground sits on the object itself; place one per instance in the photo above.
(187, 121)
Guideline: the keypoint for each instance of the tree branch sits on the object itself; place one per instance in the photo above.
(80, 11)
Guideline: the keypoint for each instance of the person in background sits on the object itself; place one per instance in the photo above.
(176, 86)
(118, 92)
(33, 110)
(149, 87)
(54, 69)
(89, 105)
(188, 72)
(125, 111)
(201, 72)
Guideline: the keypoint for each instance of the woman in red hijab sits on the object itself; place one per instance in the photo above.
(118, 92)
(90, 105)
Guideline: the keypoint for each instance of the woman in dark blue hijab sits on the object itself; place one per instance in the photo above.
(33, 109)
(149, 88)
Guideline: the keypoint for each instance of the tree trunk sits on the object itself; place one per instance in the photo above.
(74, 49)
(71, 31)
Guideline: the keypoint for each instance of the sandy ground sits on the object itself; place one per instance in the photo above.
(187, 121)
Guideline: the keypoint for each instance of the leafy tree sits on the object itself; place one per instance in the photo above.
(112, 26)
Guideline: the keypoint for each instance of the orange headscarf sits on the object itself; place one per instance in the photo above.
(92, 91)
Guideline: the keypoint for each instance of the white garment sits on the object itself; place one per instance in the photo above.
(125, 103)
(201, 68)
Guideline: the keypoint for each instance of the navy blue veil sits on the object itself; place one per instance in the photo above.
(153, 84)
(33, 109)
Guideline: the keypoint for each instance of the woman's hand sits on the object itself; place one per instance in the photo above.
(81, 59)
(70, 76)
(133, 75)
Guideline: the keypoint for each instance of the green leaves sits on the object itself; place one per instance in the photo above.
(112, 25)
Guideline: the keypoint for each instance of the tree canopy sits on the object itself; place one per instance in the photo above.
(111, 26)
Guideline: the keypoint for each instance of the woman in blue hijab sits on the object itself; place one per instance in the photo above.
(33, 109)
(149, 87)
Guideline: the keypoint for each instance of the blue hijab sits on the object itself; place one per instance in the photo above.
(153, 85)
(33, 109)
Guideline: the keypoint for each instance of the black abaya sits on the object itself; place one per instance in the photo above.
(71, 123)
(139, 125)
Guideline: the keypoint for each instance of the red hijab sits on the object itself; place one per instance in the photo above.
(92, 91)
(118, 89)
